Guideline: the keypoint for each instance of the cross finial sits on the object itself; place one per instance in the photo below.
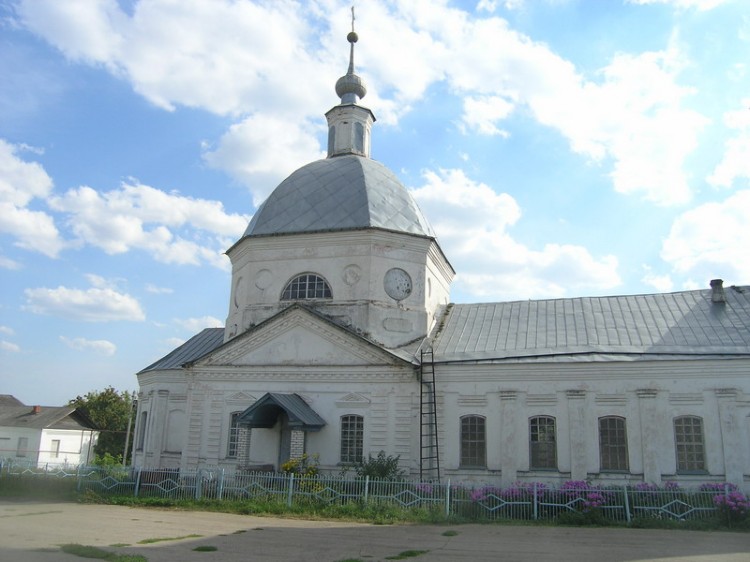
(353, 18)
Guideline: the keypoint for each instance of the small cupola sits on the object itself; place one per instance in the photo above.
(349, 124)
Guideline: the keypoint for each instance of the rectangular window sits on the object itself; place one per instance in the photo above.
(142, 431)
(55, 449)
(688, 438)
(23, 447)
(234, 435)
(473, 442)
(543, 443)
(613, 444)
(352, 438)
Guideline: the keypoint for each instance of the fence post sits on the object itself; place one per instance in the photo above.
(137, 481)
(290, 492)
(536, 502)
(448, 498)
(367, 487)
(220, 491)
(627, 502)
(198, 483)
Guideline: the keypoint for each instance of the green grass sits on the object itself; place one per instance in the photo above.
(407, 554)
(162, 539)
(92, 552)
(450, 533)
(205, 548)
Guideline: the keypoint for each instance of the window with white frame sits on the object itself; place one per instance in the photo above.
(23, 447)
(352, 438)
(689, 446)
(54, 449)
(542, 443)
(473, 442)
(613, 444)
(234, 435)
(307, 286)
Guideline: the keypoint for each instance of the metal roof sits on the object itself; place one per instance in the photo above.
(57, 417)
(671, 325)
(265, 412)
(203, 342)
(346, 192)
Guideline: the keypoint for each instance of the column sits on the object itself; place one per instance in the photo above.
(730, 434)
(649, 434)
(577, 435)
(510, 434)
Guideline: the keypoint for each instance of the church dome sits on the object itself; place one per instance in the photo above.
(347, 192)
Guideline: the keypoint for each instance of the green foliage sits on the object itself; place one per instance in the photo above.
(92, 552)
(407, 554)
(37, 488)
(205, 548)
(306, 465)
(107, 460)
(110, 411)
(382, 467)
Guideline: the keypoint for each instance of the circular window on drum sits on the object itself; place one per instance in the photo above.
(397, 284)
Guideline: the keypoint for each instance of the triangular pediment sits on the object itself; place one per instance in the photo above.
(297, 336)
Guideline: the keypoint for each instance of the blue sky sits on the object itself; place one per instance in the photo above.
(558, 147)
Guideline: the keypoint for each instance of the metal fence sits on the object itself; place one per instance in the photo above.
(527, 501)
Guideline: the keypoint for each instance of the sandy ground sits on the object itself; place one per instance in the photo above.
(32, 532)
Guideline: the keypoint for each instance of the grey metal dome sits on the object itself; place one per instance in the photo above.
(343, 193)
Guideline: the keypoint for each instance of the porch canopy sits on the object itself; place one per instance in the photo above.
(265, 412)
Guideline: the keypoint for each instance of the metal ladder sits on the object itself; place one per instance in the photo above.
(429, 453)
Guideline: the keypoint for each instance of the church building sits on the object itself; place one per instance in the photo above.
(341, 342)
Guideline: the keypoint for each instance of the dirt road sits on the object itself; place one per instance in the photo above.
(32, 532)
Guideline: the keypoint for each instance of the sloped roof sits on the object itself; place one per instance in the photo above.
(9, 400)
(48, 417)
(668, 325)
(203, 342)
(264, 412)
(340, 193)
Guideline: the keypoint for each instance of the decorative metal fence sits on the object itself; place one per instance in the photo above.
(532, 500)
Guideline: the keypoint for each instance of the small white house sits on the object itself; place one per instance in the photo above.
(45, 435)
(341, 341)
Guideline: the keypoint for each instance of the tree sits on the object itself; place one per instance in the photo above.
(110, 411)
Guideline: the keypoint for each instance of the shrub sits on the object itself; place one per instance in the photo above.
(382, 467)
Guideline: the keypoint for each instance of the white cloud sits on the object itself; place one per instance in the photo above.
(7, 263)
(195, 325)
(707, 242)
(279, 60)
(22, 182)
(9, 347)
(153, 289)
(6, 330)
(246, 153)
(137, 216)
(736, 160)
(684, 4)
(90, 305)
(471, 222)
(102, 347)
(662, 283)
(481, 114)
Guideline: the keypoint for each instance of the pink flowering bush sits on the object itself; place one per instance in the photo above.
(733, 507)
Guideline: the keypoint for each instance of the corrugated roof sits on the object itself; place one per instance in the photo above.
(669, 325)
(341, 193)
(203, 342)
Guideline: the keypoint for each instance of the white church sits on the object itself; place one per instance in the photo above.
(341, 342)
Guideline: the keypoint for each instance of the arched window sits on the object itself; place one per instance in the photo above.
(542, 443)
(306, 286)
(352, 438)
(473, 442)
(688, 440)
(613, 444)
